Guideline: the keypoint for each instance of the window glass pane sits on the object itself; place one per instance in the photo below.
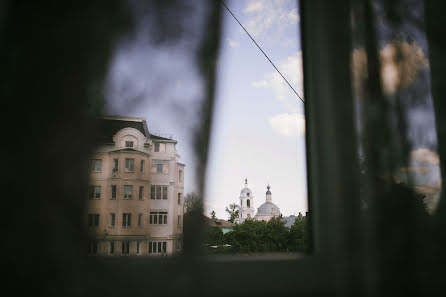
(157, 146)
(164, 193)
(165, 219)
(158, 192)
(152, 192)
(150, 247)
(159, 168)
(164, 247)
(113, 190)
(155, 219)
(141, 192)
(159, 246)
(141, 168)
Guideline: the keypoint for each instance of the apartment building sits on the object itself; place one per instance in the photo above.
(135, 197)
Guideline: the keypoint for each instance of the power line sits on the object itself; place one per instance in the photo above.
(224, 4)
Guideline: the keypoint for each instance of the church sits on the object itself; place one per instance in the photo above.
(265, 212)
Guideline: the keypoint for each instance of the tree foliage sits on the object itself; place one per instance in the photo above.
(192, 203)
(260, 236)
(233, 212)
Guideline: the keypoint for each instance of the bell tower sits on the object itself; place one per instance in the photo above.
(246, 206)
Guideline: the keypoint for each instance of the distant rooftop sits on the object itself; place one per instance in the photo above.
(110, 125)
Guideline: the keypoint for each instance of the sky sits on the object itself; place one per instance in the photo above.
(259, 125)
(258, 129)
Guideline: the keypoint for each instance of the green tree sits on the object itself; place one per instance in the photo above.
(213, 215)
(297, 237)
(258, 236)
(192, 203)
(232, 211)
(213, 236)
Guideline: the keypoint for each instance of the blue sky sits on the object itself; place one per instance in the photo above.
(258, 125)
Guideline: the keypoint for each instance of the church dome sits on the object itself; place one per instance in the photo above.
(268, 209)
(246, 191)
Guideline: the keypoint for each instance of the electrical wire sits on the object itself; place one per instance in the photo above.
(224, 4)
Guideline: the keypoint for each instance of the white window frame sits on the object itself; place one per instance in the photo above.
(94, 220)
(141, 193)
(155, 217)
(142, 165)
(128, 192)
(126, 220)
(96, 165)
(129, 164)
(112, 220)
(160, 167)
(140, 220)
(159, 147)
(94, 192)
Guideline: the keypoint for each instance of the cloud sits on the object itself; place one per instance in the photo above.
(231, 42)
(259, 84)
(291, 68)
(400, 63)
(262, 15)
(288, 124)
(426, 156)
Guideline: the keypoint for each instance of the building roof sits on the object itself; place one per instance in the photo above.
(110, 125)
(157, 137)
(267, 209)
(219, 223)
(246, 191)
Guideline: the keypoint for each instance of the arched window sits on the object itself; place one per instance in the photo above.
(248, 203)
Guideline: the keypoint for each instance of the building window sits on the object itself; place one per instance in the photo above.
(138, 247)
(179, 198)
(113, 192)
(180, 175)
(129, 143)
(125, 247)
(93, 247)
(143, 164)
(157, 247)
(158, 218)
(126, 219)
(179, 244)
(111, 248)
(141, 192)
(93, 220)
(160, 147)
(94, 192)
(140, 220)
(179, 221)
(115, 165)
(128, 190)
(248, 203)
(112, 219)
(129, 165)
(158, 192)
(165, 193)
(160, 167)
(96, 165)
